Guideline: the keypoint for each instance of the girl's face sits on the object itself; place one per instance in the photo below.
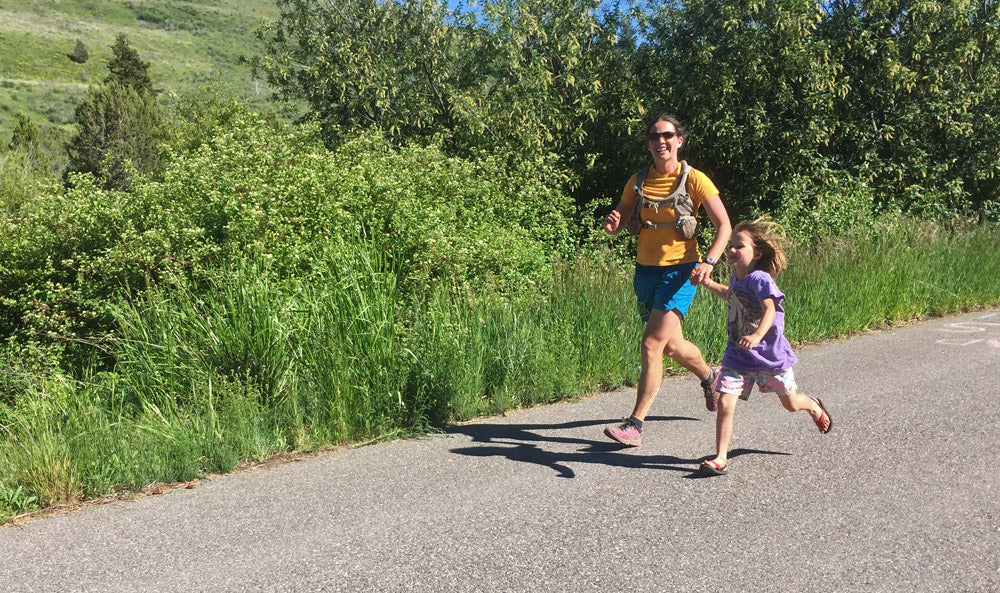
(662, 141)
(742, 255)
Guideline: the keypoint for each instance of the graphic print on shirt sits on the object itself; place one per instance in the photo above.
(745, 313)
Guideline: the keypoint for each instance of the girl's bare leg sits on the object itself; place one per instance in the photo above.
(724, 426)
(795, 402)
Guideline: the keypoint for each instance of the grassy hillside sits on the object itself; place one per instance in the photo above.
(187, 43)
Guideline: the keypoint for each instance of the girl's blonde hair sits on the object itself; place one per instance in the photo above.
(769, 240)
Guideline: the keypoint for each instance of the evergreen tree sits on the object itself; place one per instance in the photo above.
(80, 54)
(116, 124)
(128, 69)
(119, 125)
(25, 136)
(25, 145)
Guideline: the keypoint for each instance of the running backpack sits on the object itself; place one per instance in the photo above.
(680, 201)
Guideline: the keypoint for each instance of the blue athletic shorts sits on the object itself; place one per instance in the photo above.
(663, 288)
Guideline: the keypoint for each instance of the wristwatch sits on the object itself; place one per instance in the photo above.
(709, 261)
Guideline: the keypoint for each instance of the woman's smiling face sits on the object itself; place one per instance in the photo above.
(663, 141)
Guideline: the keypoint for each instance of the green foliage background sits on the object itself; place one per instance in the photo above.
(779, 95)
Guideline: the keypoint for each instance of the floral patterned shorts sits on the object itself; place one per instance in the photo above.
(741, 383)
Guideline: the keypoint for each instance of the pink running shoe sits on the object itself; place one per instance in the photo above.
(625, 433)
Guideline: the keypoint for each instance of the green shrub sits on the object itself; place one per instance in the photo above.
(257, 186)
(254, 360)
(24, 178)
(838, 204)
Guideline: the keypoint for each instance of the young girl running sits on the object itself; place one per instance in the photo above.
(757, 351)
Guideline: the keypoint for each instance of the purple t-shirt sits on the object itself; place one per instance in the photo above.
(773, 353)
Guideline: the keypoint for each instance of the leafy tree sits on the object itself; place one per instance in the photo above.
(358, 63)
(893, 102)
(919, 115)
(753, 82)
(127, 68)
(517, 77)
(781, 97)
(613, 144)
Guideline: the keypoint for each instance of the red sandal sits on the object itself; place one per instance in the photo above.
(825, 422)
(712, 467)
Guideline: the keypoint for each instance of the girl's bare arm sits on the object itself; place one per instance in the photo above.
(719, 290)
(766, 321)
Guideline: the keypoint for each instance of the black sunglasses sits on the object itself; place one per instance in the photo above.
(655, 135)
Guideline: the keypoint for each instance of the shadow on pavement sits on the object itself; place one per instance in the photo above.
(733, 453)
(521, 442)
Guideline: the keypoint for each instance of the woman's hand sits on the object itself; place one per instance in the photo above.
(701, 274)
(612, 222)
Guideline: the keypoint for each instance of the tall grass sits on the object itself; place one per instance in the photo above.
(475, 356)
(260, 362)
(889, 273)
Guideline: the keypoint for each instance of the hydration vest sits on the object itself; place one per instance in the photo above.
(680, 201)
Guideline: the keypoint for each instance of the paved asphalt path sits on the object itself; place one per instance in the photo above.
(900, 496)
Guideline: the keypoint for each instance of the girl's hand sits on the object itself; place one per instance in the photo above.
(766, 321)
(701, 274)
(749, 341)
(612, 221)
